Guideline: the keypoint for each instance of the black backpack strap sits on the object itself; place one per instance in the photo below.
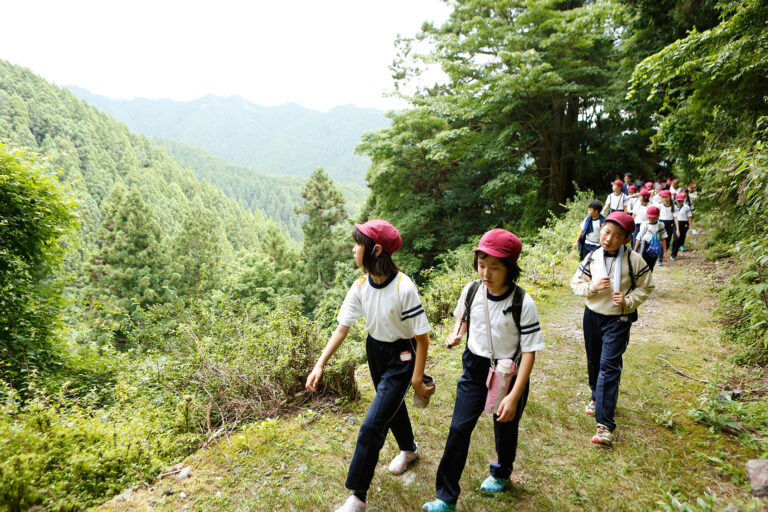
(631, 271)
(468, 302)
(518, 296)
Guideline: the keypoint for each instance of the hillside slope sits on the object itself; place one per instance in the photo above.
(300, 462)
(285, 140)
(276, 196)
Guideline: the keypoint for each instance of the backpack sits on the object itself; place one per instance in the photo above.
(652, 250)
(518, 295)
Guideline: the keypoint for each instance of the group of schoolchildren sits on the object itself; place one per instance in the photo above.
(662, 214)
(503, 335)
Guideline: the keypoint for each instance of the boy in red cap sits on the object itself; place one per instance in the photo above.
(615, 282)
(683, 215)
(503, 333)
(398, 338)
(651, 240)
(617, 200)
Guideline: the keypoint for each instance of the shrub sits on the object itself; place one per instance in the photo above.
(240, 360)
(60, 452)
(35, 217)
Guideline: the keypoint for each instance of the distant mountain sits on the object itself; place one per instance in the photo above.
(276, 196)
(287, 140)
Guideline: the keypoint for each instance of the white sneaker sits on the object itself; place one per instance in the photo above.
(353, 504)
(400, 463)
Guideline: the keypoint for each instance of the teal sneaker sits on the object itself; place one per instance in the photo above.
(492, 484)
(437, 506)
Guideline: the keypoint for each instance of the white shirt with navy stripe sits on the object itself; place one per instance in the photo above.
(616, 201)
(392, 310)
(506, 337)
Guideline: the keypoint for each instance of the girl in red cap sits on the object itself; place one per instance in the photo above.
(651, 239)
(667, 213)
(503, 333)
(398, 338)
(617, 200)
(615, 281)
(683, 215)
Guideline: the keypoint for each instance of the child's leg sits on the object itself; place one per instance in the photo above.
(506, 438)
(593, 344)
(392, 378)
(683, 232)
(470, 401)
(615, 340)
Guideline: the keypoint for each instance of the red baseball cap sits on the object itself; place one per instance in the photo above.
(633, 188)
(624, 220)
(618, 182)
(665, 193)
(383, 233)
(652, 212)
(645, 192)
(500, 243)
(649, 185)
(680, 197)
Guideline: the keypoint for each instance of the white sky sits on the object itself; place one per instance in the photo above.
(317, 53)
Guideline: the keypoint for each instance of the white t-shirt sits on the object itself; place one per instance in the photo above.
(616, 201)
(631, 203)
(666, 212)
(392, 310)
(647, 230)
(641, 212)
(683, 213)
(506, 337)
(594, 236)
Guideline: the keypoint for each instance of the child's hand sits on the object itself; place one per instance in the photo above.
(453, 339)
(422, 389)
(618, 299)
(602, 283)
(507, 409)
(314, 379)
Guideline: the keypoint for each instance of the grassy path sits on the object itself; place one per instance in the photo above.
(300, 462)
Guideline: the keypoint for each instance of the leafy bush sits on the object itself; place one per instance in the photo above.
(61, 452)
(240, 360)
(35, 217)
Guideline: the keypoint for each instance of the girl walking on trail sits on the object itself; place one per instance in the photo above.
(615, 281)
(503, 335)
(667, 214)
(398, 338)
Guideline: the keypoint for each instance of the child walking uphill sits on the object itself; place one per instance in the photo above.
(398, 338)
(615, 282)
(503, 326)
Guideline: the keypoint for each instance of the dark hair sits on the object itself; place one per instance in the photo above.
(595, 205)
(627, 174)
(381, 265)
(513, 269)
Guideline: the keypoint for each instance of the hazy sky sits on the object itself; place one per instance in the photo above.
(318, 53)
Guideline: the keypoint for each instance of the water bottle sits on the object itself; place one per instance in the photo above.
(498, 384)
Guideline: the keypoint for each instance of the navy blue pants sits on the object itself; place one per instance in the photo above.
(586, 249)
(605, 339)
(470, 402)
(669, 226)
(391, 378)
(680, 240)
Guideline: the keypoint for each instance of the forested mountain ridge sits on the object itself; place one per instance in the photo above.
(276, 196)
(149, 231)
(285, 140)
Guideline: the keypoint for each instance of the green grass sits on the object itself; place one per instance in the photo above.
(300, 462)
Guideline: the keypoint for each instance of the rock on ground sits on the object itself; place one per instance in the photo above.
(757, 473)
